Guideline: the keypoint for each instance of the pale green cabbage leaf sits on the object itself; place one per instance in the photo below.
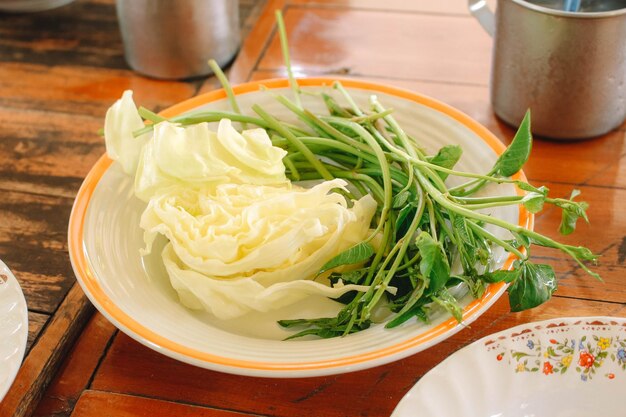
(237, 248)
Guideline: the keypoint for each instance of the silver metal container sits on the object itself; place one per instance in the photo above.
(174, 39)
(569, 68)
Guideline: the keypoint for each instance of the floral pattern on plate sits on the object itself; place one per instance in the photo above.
(587, 353)
(534, 369)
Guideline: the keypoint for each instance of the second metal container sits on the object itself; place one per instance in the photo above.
(569, 68)
(174, 39)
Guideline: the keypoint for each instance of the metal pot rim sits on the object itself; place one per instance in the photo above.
(571, 15)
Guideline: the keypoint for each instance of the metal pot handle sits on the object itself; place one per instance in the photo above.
(486, 18)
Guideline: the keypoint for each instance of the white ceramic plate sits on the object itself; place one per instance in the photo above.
(135, 294)
(13, 328)
(567, 367)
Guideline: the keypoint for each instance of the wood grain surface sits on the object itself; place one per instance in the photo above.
(59, 72)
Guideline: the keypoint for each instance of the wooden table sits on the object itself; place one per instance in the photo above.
(60, 70)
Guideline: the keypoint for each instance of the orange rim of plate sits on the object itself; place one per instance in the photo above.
(91, 285)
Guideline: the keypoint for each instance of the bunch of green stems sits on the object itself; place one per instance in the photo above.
(421, 225)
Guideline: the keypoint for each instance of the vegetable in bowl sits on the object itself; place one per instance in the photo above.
(413, 236)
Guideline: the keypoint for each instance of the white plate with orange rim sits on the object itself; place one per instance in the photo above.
(565, 367)
(134, 292)
(13, 328)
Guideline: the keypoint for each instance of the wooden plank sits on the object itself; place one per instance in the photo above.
(92, 403)
(33, 242)
(74, 90)
(614, 174)
(78, 366)
(407, 46)
(47, 153)
(44, 358)
(133, 369)
(36, 322)
(604, 235)
(83, 33)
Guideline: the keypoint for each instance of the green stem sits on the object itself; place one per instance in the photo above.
(282, 32)
(227, 87)
(486, 234)
(150, 115)
(275, 125)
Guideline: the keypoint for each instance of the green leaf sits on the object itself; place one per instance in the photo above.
(517, 153)
(501, 276)
(520, 240)
(350, 277)
(447, 157)
(571, 212)
(400, 199)
(535, 286)
(534, 202)
(403, 220)
(358, 253)
(403, 317)
(461, 228)
(434, 263)
(531, 188)
(448, 302)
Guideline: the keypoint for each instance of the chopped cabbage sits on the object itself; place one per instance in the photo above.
(121, 120)
(197, 157)
(241, 236)
(248, 247)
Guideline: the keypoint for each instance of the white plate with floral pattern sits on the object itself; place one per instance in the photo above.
(13, 328)
(566, 367)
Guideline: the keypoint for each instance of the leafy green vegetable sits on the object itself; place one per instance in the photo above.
(447, 157)
(502, 275)
(434, 262)
(534, 287)
(358, 253)
(571, 212)
(534, 202)
(448, 302)
(422, 225)
(517, 153)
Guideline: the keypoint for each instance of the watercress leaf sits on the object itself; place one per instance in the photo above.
(521, 240)
(571, 212)
(434, 263)
(534, 202)
(535, 285)
(403, 317)
(449, 303)
(531, 188)
(349, 277)
(581, 253)
(403, 220)
(400, 199)
(293, 323)
(501, 276)
(358, 253)
(517, 153)
(461, 229)
(447, 157)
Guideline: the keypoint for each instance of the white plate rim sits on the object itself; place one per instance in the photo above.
(21, 332)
